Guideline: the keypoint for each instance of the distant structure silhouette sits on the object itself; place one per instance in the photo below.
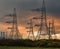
(2, 35)
(14, 34)
(52, 32)
(43, 27)
(44, 30)
(30, 31)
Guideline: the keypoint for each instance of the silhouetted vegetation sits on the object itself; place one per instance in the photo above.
(30, 43)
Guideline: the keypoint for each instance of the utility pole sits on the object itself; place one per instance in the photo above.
(14, 34)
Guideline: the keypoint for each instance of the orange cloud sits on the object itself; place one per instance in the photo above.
(23, 30)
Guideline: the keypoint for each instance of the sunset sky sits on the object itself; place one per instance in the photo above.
(24, 14)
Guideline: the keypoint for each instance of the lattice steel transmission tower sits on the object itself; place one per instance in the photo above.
(14, 33)
(30, 31)
(52, 31)
(43, 31)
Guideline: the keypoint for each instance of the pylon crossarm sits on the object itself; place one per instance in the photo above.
(29, 27)
(9, 22)
(9, 15)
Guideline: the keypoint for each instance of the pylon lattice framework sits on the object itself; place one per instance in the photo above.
(43, 29)
(30, 31)
(14, 34)
(52, 31)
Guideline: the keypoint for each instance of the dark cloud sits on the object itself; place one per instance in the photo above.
(53, 7)
(6, 6)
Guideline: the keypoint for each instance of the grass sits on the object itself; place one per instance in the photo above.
(7, 47)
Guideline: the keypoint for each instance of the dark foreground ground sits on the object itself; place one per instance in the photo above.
(29, 43)
(9, 47)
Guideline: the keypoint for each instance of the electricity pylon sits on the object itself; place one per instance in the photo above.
(52, 30)
(43, 27)
(30, 31)
(14, 34)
